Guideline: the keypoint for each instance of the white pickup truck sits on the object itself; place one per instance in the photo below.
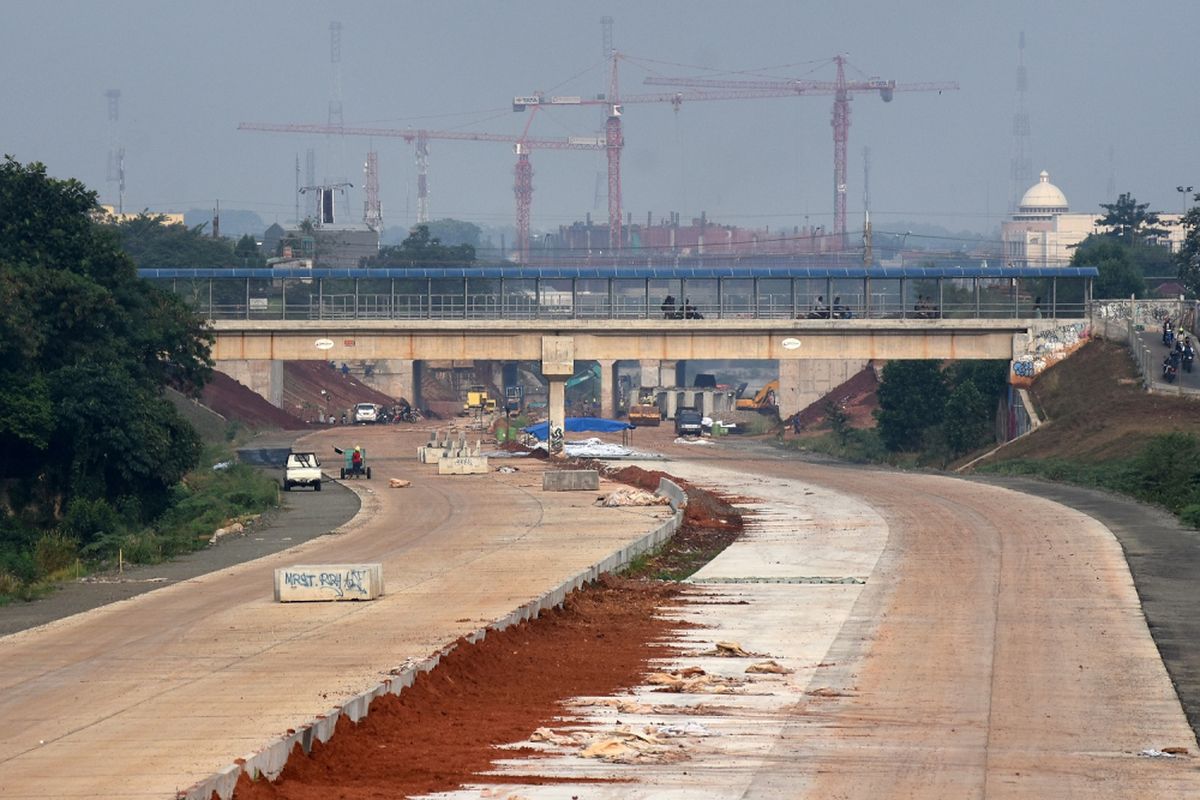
(302, 469)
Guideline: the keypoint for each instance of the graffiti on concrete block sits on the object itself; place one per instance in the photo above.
(348, 583)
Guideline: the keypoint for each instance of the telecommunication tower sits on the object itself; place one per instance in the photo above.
(116, 152)
(1022, 162)
(372, 210)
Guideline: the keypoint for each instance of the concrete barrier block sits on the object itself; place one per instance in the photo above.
(570, 480)
(673, 492)
(314, 582)
(463, 465)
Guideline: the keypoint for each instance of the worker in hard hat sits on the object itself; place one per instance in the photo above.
(356, 459)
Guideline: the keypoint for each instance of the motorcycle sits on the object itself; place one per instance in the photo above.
(1168, 373)
(1188, 357)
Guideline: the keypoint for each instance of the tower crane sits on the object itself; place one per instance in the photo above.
(841, 89)
(523, 145)
(614, 137)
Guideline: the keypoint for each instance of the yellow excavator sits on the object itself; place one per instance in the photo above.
(478, 400)
(763, 400)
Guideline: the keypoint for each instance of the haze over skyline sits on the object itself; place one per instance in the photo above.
(1101, 75)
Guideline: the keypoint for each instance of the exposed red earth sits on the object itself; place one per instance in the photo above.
(443, 730)
(234, 401)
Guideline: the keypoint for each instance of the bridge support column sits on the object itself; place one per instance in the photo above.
(803, 382)
(558, 365)
(608, 387)
(263, 376)
(672, 373)
(648, 377)
(398, 377)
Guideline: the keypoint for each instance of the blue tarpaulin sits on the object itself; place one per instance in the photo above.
(577, 424)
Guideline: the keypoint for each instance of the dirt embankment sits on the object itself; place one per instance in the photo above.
(443, 730)
(1098, 410)
(236, 402)
(857, 397)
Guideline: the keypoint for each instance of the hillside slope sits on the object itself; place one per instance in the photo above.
(1098, 411)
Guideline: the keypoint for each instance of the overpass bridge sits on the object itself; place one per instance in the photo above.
(807, 319)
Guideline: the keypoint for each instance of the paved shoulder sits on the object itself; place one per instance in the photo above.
(1164, 558)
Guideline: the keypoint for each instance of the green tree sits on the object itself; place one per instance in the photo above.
(838, 419)
(86, 348)
(153, 242)
(967, 418)
(912, 398)
(421, 247)
(1131, 219)
(454, 232)
(1188, 258)
(1117, 260)
(246, 252)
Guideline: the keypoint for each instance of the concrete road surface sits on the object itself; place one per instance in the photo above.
(997, 649)
(149, 695)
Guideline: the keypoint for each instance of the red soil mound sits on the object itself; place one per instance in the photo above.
(234, 401)
(304, 380)
(856, 397)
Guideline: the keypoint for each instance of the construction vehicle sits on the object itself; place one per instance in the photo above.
(478, 401)
(763, 400)
(645, 411)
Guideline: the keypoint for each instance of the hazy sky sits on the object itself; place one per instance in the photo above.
(1104, 75)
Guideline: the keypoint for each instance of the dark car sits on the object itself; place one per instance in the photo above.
(687, 422)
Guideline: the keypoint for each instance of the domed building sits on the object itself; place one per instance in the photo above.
(1044, 233)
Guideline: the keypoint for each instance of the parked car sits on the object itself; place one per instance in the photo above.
(687, 422)
(366, 412)
(302, 469)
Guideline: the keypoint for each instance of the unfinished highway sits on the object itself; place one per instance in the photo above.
(978, 643)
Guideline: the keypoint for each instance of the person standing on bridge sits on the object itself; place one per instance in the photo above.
(668, 307)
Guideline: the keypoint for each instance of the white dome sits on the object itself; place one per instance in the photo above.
(1043, 197)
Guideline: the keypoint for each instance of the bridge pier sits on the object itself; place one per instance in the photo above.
(263, 376)
(398, 377)
(608, 387)
(558, 366)
(804, 382)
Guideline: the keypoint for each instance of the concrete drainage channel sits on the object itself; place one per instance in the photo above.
(270, 761)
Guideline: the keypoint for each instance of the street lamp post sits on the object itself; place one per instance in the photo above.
(1184, 191)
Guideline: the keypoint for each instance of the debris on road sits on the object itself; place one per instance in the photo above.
(769, 667)
(730, 650)
(691, 680)
(398, 483)
(632, 497)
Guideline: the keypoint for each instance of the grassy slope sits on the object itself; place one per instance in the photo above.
(1098, 411)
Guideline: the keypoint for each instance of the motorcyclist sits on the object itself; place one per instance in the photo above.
(1168, 332)
(1168, 369)
(1189, 354)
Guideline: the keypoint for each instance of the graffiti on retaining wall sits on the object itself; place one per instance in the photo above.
(1047, 347)
(1146, 313)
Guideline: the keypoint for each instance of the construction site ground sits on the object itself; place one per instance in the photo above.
(945, 638)
(146, 696)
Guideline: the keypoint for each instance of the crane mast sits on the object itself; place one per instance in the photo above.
(840, 88)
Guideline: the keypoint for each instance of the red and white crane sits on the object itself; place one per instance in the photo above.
(522, 144)
(841, 89)
(614, 137)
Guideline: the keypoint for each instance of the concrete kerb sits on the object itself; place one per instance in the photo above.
(673, 492)
(270, 761)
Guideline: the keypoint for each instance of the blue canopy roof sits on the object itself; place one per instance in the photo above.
(710, 271)
(576, 424)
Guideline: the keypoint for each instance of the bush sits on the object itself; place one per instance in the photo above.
(87, 521)
(53, 552)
